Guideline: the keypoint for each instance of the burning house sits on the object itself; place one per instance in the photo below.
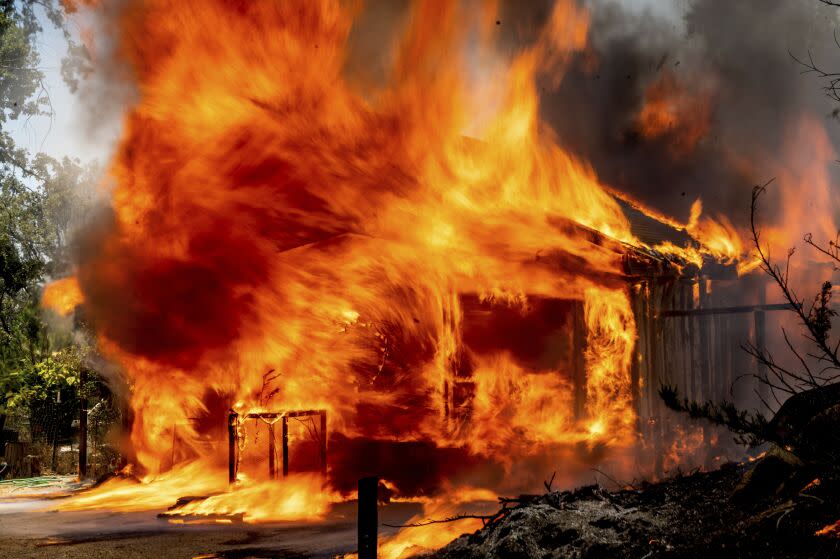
(680, 303)
(307, 274)
(301, 242)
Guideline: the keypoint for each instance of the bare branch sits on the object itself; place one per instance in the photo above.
(457, 517)
(550, 482)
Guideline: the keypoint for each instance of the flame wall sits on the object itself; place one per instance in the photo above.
(287, 234)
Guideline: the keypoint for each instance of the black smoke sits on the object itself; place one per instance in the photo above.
(739, 51)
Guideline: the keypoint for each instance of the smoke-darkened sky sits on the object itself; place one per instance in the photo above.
(735, 54)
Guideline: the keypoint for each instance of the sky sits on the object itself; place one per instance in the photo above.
(68, 132)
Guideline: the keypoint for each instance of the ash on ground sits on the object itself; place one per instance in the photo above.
(766, 509)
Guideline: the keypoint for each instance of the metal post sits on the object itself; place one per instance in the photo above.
(285, 446)
(272, 452)
(368, 517)
(232, 446)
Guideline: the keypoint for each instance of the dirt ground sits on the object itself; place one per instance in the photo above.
(28, 528)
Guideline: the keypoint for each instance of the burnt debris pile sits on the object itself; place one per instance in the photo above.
(725, 513)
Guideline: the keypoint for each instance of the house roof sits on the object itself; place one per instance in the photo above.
(652, 232)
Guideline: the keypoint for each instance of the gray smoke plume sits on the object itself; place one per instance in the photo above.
(740, 52)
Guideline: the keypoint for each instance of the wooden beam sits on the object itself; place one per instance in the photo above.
(324, 442)
(704, 336)
(272, 452)
(274, 415)
(285, 445)
(233, 458)
(724, 310)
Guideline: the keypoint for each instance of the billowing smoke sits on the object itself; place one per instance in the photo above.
(734, 57)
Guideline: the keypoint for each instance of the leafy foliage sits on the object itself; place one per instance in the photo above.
(750, 427)
(20, 78)
(821, 313)
(42, 201)
(58, 372)
(36, 225)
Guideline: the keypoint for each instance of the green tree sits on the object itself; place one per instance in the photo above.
(42, 201)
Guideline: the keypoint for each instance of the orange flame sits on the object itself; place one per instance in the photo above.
(298, 497)
(62, 296)
(423, 539)
(675, 113)
(799, 201)
(288, 238)
(829, 531)
(803, 184)
(687, 448)
(715, 237)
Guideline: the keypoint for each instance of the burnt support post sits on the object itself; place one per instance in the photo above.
(324, 443)
(368, 519)
(579, 358)
(446, 399)
(635, 373)
(285, 445)
(233, 419)
(272, 452)
(83, 425)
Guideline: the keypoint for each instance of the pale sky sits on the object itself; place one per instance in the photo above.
(69, 131)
